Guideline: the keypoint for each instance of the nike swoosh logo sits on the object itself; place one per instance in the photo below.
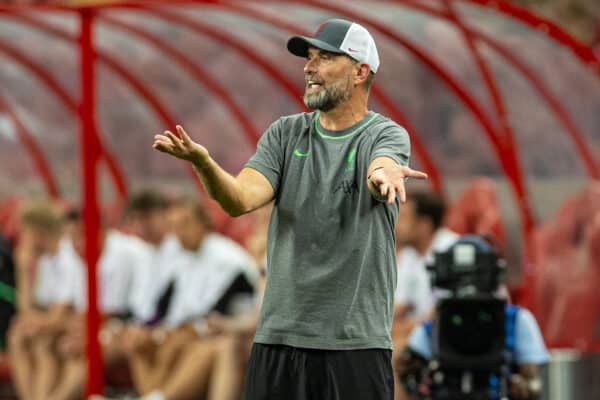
(298, 153)
(350, 49)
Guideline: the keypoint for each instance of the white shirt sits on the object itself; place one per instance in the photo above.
(414, 284)
(119, 256)
(53, 273)
(150, 279)
(202, 277)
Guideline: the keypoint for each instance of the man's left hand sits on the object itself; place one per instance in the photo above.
(384, 182)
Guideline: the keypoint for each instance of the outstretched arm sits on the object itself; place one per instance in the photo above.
(237, 195)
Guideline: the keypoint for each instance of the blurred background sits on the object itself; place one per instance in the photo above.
(501, 99)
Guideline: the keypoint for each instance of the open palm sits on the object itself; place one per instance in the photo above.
(181, 147)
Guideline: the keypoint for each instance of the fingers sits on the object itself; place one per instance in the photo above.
(408, 172)
(169, 143)
(162, 143)
(401, 192)
(175, 140)
(183, 134)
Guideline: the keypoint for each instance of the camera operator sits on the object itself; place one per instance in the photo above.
(477, 346)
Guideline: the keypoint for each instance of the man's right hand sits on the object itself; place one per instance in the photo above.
(181, 147)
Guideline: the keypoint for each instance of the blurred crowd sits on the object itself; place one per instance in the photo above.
(178, 301)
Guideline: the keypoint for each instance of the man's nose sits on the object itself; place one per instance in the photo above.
(310, 66)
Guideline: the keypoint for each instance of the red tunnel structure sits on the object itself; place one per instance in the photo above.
(485, 88)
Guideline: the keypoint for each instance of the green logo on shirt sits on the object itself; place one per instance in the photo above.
(350, 160)
(298, 153)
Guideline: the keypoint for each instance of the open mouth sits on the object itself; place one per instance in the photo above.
(313, 84)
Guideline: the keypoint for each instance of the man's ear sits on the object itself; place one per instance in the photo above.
(361, 73)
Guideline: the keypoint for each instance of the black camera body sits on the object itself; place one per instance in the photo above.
(468, 333)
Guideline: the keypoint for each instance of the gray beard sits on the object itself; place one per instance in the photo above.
(328, 97)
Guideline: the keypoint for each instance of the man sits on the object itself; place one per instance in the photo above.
(119, 256)
(524, 344)
(147, 217)
(42, 260)
(335, 176)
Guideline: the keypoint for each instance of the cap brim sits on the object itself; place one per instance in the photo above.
(298, 46)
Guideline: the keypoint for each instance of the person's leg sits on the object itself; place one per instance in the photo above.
(150, 370)
(232, 352)
(47, 366)
(72, 381)
(190, 376)
(73, 376)
(21, 362)
(140, 365)
(356, 374)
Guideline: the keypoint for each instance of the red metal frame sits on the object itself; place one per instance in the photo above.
(197, 72)
(560, 112)
(26, 138)
(143, 92)
(55, 87)
(580, 50)
(507, 141)
(91, 153)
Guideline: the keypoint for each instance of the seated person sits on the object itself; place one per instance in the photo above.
(471, 270)
(151, 288)
(43, 259)
(212, 274)
(118, 257)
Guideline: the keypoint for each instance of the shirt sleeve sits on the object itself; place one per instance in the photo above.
(393, 142)
(269, 156)
(529, 344)
(420, 342)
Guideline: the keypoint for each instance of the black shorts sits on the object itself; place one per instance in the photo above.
(278, 372)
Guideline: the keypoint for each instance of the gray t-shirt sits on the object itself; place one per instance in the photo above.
(331, 271)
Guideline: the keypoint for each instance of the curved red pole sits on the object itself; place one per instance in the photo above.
(268, 66)
(90, 151)
(69, 102)
(509, 150)
(583, 52)
(39, 161)
(561, 113)
(199, 73)
(295, 92)
(160, 110)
